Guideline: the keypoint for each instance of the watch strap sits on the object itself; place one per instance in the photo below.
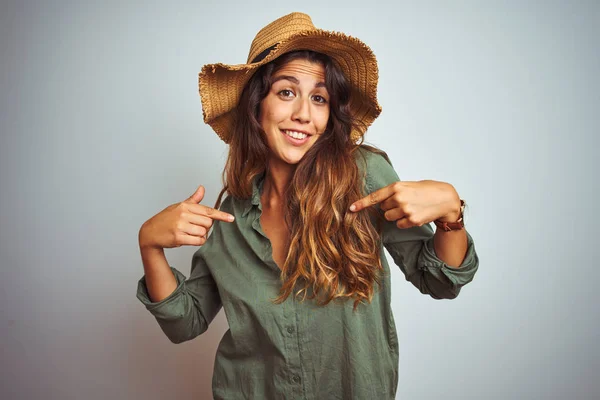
(453, 226)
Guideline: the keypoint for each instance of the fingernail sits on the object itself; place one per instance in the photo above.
(352, 207)
(231, 218)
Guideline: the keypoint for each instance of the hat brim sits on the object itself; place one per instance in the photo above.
(221, 85)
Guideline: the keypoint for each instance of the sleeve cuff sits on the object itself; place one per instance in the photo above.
(142, 291)
(459, 276)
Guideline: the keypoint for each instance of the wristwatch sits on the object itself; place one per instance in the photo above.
(453, 226)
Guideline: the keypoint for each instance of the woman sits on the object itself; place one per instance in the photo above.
(295, 256)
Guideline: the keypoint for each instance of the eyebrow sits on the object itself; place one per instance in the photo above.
(295, 80)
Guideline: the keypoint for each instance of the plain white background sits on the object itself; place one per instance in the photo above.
(101, 128)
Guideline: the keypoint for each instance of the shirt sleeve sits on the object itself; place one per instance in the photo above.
(412, 249)
(188, 311)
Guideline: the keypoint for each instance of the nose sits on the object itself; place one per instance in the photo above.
(301, 110)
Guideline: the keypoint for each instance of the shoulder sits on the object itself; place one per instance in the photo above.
(376, 167)
(227, 204)
(233, 205)
(214, 242)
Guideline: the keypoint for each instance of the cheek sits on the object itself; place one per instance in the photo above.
(271, 111)
(269, 123)
(272, 116)
(323, 120)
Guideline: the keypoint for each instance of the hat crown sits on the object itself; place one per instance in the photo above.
(277, 31)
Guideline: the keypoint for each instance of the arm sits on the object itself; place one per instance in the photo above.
(451, 247)
(160, 280)
(186, 311)
(183, 308)
(414, 249)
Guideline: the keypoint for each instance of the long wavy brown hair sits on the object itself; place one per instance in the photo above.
(332, 252)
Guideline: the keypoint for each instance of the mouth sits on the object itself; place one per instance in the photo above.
(295, 137)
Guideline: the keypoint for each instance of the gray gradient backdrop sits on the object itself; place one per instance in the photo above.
(101, 128)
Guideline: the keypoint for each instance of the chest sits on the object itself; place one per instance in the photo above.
(273, 225)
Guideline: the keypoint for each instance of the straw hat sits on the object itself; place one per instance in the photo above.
(221, 85)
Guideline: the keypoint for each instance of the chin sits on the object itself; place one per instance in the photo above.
(292, 158)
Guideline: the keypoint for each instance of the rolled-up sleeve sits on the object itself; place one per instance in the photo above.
(413, 250)
(189, 310)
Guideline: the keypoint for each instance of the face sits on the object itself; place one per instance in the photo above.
(295, 111)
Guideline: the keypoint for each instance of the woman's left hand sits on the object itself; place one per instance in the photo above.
(412, 203)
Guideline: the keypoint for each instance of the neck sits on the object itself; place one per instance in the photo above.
(278, 178)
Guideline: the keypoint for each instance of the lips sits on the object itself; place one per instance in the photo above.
(296, 134)
(297, 138)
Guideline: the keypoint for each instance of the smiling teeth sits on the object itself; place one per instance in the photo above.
(296, 135)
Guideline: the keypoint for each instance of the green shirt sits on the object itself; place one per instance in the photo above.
(298, 350)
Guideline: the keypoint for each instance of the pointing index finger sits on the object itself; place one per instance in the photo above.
(212, 213)
(373, 198)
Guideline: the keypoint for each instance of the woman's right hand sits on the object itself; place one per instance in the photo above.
(185, 223)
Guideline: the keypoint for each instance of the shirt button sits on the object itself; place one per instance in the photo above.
(296, 379)
(290, 329)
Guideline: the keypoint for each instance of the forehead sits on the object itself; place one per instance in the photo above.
(302, 69)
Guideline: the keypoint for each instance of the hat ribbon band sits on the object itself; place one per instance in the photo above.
(263, 54)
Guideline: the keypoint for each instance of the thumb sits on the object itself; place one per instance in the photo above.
(198, 195)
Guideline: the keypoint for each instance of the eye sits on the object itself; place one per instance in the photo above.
(320, 99)
(286, 93)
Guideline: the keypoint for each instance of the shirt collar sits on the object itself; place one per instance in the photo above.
(257, 186)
